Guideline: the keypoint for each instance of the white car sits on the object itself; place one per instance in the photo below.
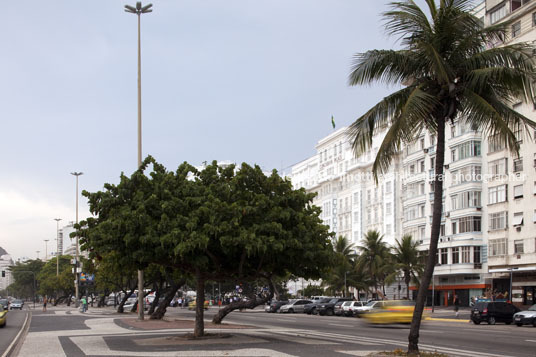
(295, 305)
(360, 310)
(16, 304)
(526, 317)
(349, 306)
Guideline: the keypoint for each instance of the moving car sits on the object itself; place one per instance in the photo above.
(392, 312)
(492, 312)
(294, 305)
(192, 305)
(3, 316)
(16, 304)
(526, 317)
(374, 304)
(4, 303)
(275, 305)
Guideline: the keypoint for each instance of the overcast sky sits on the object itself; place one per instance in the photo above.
(239, 80)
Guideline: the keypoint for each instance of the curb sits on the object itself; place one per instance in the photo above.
(16, 343)
(448, 320)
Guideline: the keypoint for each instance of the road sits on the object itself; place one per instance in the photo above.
(66, 332)
(15, 320)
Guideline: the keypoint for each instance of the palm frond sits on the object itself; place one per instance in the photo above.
(386, 66)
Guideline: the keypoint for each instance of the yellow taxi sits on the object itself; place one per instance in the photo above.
(3, 316)
(392, 312)
(192, 305)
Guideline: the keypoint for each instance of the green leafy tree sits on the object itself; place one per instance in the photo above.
(449, 73)
(61, 286)
(218, 224)
(25, 278)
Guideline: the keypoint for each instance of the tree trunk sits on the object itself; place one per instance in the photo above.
(407, 280)
(102, 301)
(124, 300)
(199, 329)
(161, 310)
(155, 300)
(413, 338)
(250, 304)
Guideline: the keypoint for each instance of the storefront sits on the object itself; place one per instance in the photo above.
(518, 283)
(443, 295)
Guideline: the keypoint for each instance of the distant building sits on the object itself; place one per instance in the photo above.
(5, 263)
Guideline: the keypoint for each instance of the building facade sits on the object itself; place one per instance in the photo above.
(511, 191)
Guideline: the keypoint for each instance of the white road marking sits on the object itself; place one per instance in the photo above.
(530, 340)
(18, 335)
(96, 346)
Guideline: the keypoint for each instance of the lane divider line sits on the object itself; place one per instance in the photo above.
(15, 340)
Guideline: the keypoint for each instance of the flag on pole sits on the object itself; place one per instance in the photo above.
(333, 122)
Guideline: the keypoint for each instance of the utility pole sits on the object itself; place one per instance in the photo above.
(76, 272)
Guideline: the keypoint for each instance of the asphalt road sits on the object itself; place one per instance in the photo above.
(15, 320)
(499, 339)
(66, 332)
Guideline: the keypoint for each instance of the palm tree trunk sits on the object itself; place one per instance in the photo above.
(413, 345)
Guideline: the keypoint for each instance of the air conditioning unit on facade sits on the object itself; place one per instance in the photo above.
(447, 214)
(425, 151)
(446, 166)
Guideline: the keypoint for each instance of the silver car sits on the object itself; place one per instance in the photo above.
(16, 304)
(295, 305)
(527, 317)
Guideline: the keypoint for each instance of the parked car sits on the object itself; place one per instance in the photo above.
(492, 312)
(16, 304)
(294, 305)
(526, 317)
(328, 308)
(3, 316)
(348, 307)
(275, 305)
(338, 308)
(4, 303)
(312, 308)
(392, 312)
(374, 304)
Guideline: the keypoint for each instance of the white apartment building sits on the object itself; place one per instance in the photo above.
(5, 263)
(510, 197)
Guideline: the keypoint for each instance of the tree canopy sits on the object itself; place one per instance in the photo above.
(219, 224)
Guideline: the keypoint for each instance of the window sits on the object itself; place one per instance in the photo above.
(444, 255)
(388, 229)
(497, 194)
(518, 191)
(455, 255)
(518, 246)
(356, 197)
(465, 150)
(516, 29)
(466, 254)
(421, 166)
(498, 220)
(369, 196)
(412, 169)
(422, 232)
(376, 215)
(534, 19)
(470, 224)
(455, 227)
(421, 142)
(518, 219)
(388, 187)
(466, 199)
(518, 165)
(469, 173)
(497, 14)
(369, 213)
(476, 255)
(442, 230)
(497, 247)
(495, 143)
(498, 167)
(518, 132)
(388, 209)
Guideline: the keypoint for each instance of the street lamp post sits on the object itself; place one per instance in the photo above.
(138, 10)
(58, 245)
(46, 249)
(37, 251)
(76, 281)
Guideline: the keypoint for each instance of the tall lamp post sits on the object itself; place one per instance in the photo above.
(138, 10)
(58, 245)
(76, 281)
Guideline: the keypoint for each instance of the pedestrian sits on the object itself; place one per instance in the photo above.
(180, 303)
(456, 305)
(45, 303)
(84, 304)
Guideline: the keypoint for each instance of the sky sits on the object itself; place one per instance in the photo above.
(253, 81)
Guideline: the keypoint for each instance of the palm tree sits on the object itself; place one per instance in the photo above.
(407, 259)
(374, 257)
(344, 256)
(449, 73)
